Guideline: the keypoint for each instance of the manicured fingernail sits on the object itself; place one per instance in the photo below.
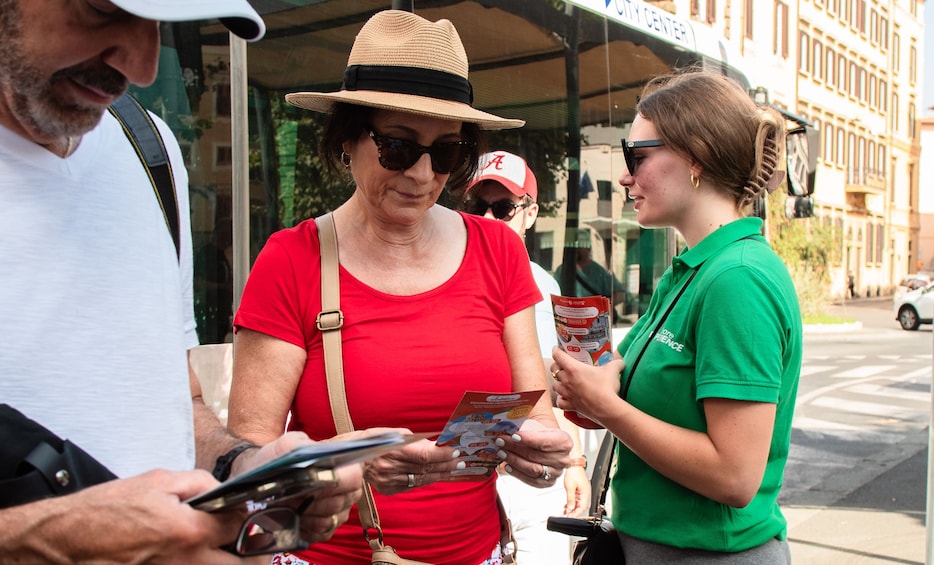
(508, 469)
(516, 437)
(461, 465)
(456, 454)
(500, 442)
(501, 454)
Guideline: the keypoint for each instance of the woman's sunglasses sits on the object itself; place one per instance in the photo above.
(400, 154)
(504, 209)
(630, 156)
(272, 530)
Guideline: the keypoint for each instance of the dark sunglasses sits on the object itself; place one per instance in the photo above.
(400, 154)
(504, 209)
(629, 155)
(272, 530)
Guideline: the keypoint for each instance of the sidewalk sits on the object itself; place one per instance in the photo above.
(882, 521)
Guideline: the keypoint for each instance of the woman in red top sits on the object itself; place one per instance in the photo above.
(435, 303)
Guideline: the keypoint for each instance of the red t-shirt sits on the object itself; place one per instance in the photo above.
(407, 362)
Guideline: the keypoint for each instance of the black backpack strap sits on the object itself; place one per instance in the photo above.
(146, 140)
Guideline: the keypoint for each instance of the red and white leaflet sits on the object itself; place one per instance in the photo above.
(583, 325)
(480, 418)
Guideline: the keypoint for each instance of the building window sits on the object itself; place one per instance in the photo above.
(695, 8)
(894, 113)
(883, 96)
(711, 11)
(913, 64)
(841, 74)
(831, 68)
(828, 143)
(839, 151)
(780, 45)
(912, 126)
(817, 58)
(747, 18)
(804, 55)
(884, 32)
(896, 56)
(223, 156)
(873, 85)
(861, 16)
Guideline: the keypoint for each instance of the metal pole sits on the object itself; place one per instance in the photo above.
(929, 510)
(240, 191)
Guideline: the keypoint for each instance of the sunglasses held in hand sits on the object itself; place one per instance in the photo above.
(504, 209)
(274, 529)
(400, 154)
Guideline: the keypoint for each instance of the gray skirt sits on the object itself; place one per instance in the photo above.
(641, 552)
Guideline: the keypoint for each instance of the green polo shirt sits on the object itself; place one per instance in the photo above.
(734, 333)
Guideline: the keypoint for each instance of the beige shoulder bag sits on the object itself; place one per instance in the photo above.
(329, 323)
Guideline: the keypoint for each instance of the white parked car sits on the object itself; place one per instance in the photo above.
(911, 282)
(915, 307)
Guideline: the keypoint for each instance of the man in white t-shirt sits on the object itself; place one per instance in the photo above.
(97, 304)
(505, 189)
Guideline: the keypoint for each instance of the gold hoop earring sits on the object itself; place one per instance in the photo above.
(695, 181)
(345, 159)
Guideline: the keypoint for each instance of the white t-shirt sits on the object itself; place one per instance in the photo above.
(96, 315)
(544, 316)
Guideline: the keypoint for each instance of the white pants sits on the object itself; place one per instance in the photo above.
(528, 509)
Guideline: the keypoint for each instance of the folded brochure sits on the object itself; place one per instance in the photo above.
(583, 326)
(480, 418)
(302, 469)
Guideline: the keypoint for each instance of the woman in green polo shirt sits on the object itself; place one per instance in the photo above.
(703, 397)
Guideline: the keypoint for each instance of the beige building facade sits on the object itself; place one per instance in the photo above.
(853, 69)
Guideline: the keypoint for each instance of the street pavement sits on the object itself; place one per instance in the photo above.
(883, 520)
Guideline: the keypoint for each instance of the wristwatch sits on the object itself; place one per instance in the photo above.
(224, 463)
(579, 462)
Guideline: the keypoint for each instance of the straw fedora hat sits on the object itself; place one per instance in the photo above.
(401, 61)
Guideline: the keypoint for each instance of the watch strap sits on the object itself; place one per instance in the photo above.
(224, 463)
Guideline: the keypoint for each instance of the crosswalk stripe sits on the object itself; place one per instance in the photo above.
(858, 407)
(890, 392)
(803, 423)
(864, 371)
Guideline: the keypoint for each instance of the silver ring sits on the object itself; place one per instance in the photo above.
(545, 474)
(411, 483)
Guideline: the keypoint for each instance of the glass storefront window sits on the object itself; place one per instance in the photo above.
(571, 70)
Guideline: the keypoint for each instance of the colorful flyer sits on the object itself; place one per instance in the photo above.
(583, 326)
(480, 418)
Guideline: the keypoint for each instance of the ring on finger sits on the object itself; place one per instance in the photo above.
(411, 480)
(335, 521)
(545, 473)
(554, 374)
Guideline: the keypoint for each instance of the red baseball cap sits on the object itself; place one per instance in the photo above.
(508, 170)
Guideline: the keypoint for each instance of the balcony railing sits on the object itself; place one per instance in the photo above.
(865, 180)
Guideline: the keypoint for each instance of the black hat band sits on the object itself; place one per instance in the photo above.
(417, 81)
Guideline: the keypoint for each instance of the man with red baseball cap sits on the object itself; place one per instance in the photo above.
(505, 188)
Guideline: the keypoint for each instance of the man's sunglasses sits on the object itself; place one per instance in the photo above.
(274, 529)
(504, 209)
(400, 154)
(629, 155)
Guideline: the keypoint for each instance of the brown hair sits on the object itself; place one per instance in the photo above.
(349, 121)
(710, 120)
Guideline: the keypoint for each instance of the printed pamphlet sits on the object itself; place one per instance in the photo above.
(583, 326)
(480, 418)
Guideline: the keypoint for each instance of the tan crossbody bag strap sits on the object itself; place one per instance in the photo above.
(329, 323)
